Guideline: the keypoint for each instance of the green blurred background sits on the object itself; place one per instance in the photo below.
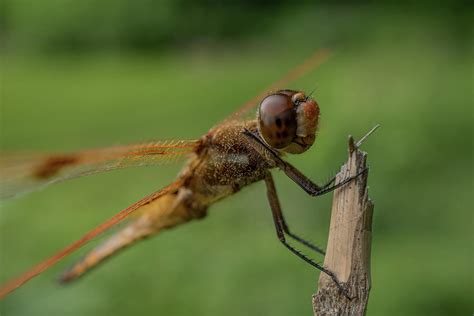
(79, 74)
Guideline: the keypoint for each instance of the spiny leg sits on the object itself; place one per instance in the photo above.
(272, 196)
(297, 176)
(301, 240)
(312, 188)
(280, 231)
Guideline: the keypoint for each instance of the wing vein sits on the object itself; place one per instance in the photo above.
(46, 264)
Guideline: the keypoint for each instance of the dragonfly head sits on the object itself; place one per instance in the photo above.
(287, 121)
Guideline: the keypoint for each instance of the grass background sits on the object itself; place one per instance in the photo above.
(409, 69)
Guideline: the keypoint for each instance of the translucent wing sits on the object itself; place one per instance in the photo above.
(23, 172)
(249, 107)
(38, 269)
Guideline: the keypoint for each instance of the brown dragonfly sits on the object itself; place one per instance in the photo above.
(232, 155)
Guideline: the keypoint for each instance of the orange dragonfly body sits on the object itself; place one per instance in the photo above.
(230, 156)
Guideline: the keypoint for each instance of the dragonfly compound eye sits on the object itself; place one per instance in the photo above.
(277, 120)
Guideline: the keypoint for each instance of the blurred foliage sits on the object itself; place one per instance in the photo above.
(118, 24)
(72, 25)
(407, 68)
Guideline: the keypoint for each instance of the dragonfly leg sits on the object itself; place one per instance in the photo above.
(314, 189)
(273, 198)
(282, 228)
(297, 176)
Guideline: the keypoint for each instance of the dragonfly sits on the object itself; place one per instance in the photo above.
(230, 156)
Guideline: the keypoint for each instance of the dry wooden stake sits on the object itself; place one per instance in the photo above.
(349, 243)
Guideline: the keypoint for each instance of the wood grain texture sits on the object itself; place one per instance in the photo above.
(349, 243)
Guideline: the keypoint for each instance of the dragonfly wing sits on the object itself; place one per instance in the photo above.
(38, 269)
(23, 172)
(311, 63)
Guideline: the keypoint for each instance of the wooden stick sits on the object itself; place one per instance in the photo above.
(348, 250)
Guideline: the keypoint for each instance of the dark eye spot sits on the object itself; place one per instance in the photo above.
(278, 122)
